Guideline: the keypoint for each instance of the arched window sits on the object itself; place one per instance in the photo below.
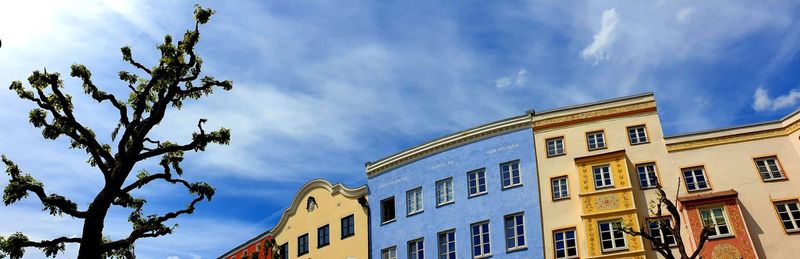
(311, 204)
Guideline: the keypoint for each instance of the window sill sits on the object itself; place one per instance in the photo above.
(720, 236)
(414, 213)
(640, 143)
(556, 155)
(347, 236)
(482, 256)
(477, 195)
(561, 199)
(596, 188)
(615, 249)
(699, 190)
(515, 249)
(511, 186)
(445, 204)
(387, 222)
(323, 246)
(792, 231)
(598, 148)
(774, 180)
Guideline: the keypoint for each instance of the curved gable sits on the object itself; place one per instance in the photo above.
(300, 200)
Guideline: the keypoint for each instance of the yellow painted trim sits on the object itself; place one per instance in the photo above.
(594, 115)
(734, 138)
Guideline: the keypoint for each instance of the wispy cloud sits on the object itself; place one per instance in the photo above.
(517, 79)
(684, 14)
(599, 48)
(763, 102)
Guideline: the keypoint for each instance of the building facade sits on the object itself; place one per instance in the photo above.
(602, 162)
(470, 194)
(323, 221)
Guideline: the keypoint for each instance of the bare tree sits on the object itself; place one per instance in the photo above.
(153, 91)
(656, 208)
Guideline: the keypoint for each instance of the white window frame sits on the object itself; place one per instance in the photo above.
(507, 169)
(557, 144)
(394, 210)
(444, 192)
(483, 237)
(478, 183)
(607, 181)
(389, 253)
(661, 235)
(599, 139)
(614, 237)
(637, 139)
(560, 187)
(793, 220)
(713, 220)
(769, 170)
(694, 177)
(444, 251)
(650, 176)
(565, 240)
(513, 231)
(413, 252)
(414, 202)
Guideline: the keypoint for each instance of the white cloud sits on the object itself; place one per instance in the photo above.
(599, 48)
(763, 102)
(517, 79)
(684, 14)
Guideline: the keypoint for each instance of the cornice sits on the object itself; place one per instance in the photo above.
(448, 142)
(728, 136)
(594, 115)
(297, 201)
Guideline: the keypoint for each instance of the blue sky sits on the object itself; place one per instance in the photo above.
(322, 87)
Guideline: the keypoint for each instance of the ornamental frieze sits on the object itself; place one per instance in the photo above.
(591, 115)
(734, 138)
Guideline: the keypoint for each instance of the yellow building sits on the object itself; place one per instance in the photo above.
(601, 162)
(323, 221)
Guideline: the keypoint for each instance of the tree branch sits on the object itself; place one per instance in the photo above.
(19, 186)
(15, 245)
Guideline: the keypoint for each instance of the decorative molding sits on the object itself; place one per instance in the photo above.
(448, 142)
(297, 201)
(587, 116)
(734, 138)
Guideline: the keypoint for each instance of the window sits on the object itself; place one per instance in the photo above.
(387, 210)
(302, 244)
(444, 192)
(284, 250)
(663, 235)
(447, 245)
(348, 226)
(480, 240)
(323, 236)
(695, 179)
(715, 217)
(637, 135)
(414, 201)
(555, 146)
(596, 140)
(565, 244)
(789, 212)
(389, 253)
(769, 168)
(477, 182)
(510, 173)
(647, 175)
(515, 232)
(602, 177)
(560, 188)
(611, 238)
(416, 249)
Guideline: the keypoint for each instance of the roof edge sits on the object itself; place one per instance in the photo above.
(583, 105)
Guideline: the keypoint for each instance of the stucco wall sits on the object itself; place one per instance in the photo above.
(331, 208)
(489, 154)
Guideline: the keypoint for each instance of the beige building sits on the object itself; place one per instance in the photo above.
(323, 221)
(601, 162)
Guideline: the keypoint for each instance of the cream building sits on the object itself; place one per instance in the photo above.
(323, 221)
(601, 162)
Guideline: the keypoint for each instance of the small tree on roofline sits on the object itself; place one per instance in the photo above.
(656, 208)
(153, 91)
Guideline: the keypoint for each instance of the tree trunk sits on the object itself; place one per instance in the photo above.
(92, 237)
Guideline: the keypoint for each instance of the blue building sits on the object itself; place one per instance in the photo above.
(472, 194)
